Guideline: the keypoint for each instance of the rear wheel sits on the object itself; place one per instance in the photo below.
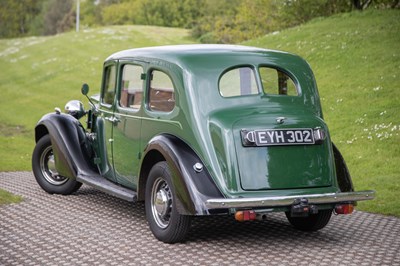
(164, 220)
(313, 222)
(43, 166)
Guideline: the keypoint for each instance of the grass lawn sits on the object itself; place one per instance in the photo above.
(7, 198)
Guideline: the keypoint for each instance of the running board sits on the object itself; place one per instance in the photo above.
(108, 187)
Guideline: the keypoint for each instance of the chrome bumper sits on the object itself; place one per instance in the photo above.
(280, 201)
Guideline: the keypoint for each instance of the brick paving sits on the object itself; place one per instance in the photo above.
(92, 228)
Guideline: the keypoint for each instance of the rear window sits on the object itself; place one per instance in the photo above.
(242, 81)
(277, 82)
(238, 81)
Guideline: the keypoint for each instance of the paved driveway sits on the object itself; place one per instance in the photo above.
(92, 228)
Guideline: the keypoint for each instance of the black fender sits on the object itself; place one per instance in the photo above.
(191, 188)
(342, 172)
(69, 142)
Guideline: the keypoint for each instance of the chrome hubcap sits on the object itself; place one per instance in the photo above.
(48, 168)
(161, 202)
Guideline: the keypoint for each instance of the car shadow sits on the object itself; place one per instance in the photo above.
(274, 229)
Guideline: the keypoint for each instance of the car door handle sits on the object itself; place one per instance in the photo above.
(113, 119)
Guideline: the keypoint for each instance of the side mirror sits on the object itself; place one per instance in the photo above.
(85, 89)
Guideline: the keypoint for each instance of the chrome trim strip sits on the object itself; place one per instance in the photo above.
(279, 201)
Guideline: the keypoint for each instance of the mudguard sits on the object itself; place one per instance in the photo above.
(70, 147)
(342, 172)
(192, 187)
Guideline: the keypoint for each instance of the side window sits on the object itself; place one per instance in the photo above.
(276, 82)
(238, 81)
(161, 92)
(131, 86)
(109, 85)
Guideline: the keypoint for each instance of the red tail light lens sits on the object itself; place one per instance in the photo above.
(344, 209)
(246, 215)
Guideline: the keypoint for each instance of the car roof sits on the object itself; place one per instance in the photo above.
(182, 54)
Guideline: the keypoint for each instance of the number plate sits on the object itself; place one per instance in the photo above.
(273, 137)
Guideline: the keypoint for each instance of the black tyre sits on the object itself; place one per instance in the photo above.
(314, 222)
(45, 172)
(165, 222)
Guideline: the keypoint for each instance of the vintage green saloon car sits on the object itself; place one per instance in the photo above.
(201, 130)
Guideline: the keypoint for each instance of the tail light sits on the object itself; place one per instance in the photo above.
(344, 209)
(246, 215)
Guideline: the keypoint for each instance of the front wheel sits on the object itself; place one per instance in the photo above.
(313, 222)
(45, 172)
(165, 222)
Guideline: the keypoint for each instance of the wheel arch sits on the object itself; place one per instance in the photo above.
(40, 131)
(342, 172)
(191, 188)
(69, 143)
(151, 158)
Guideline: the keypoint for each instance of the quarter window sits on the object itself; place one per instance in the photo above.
(238, 81)
(109, 85)
(131, 86)
(276, 82)
(161, 92)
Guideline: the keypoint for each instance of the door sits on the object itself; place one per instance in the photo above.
(106, 124)
(127, 124)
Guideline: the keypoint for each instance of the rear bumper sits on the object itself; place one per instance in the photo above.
(280, 201)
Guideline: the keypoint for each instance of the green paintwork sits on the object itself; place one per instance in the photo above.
(210, 124)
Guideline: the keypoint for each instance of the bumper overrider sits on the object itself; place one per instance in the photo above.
(281, 201)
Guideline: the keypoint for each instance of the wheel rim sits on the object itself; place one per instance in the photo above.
(161, 202)
(48, 168)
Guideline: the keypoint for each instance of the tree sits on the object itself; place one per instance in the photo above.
(211, 21)
(120, 14)
(364, 4)
(16, 17)
(90, 13)
(360, 4)
(255, 18)
(214, 19)
(59, 16)
(295, 12)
